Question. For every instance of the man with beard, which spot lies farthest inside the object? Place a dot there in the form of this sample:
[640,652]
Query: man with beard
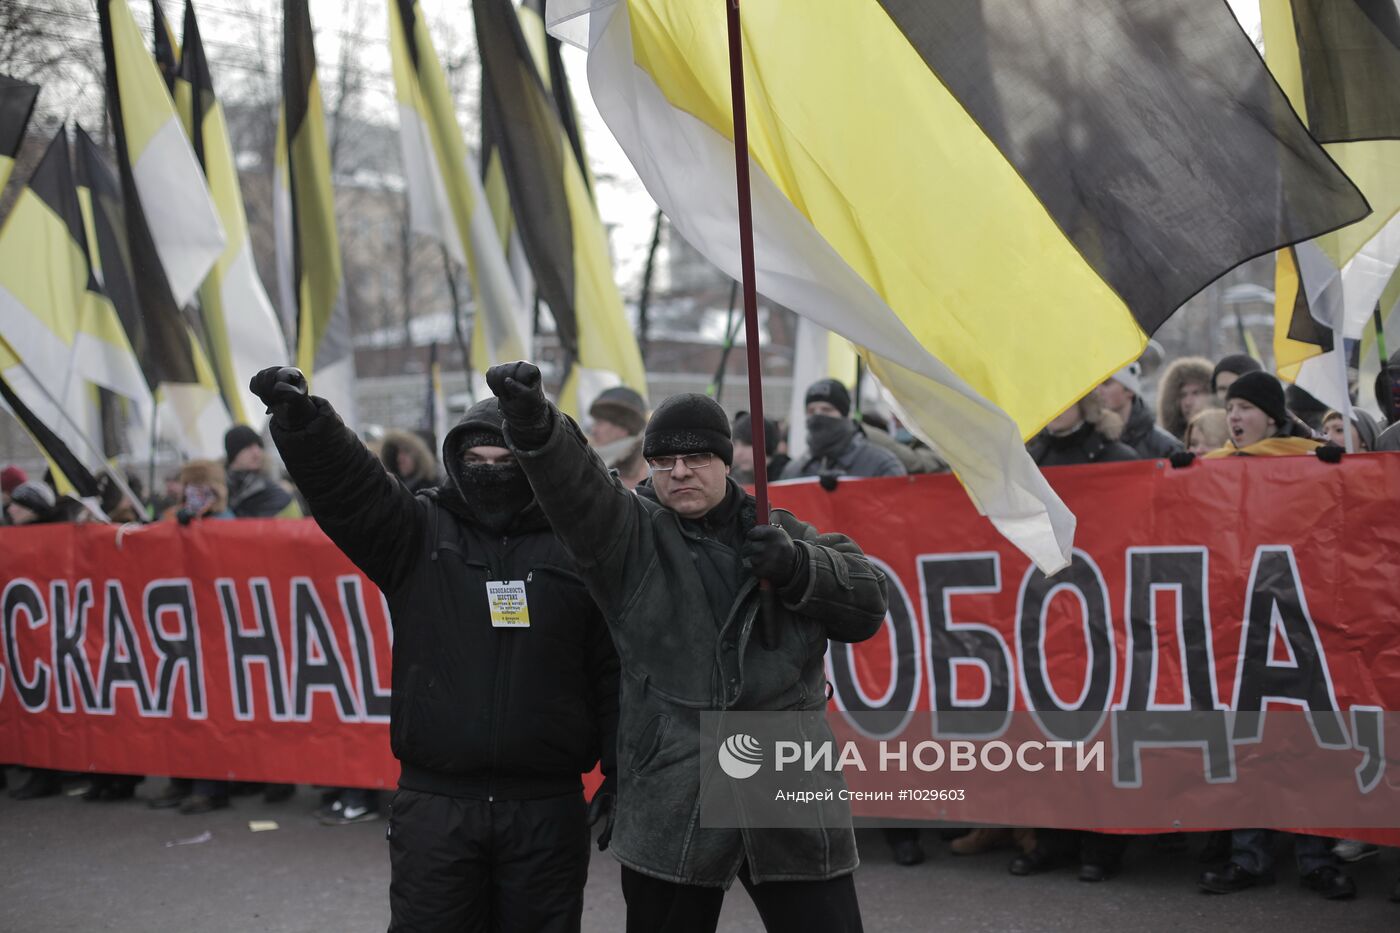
[835,444]
[505,680]
[679,568]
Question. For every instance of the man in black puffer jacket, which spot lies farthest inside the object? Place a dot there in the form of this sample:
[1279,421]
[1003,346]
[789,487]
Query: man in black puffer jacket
[505,679]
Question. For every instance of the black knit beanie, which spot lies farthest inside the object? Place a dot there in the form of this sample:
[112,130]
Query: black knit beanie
[829,390]
[1262,391]
[239,438]
[1237,363]
[689,424]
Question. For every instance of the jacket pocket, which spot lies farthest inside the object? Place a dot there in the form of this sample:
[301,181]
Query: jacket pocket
[649,742]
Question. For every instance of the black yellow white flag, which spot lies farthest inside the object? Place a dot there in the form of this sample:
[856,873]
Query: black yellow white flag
[308,247]
[997,201]
[445,195]
[156,159]
[1339,63]
[241,329]
[61,333]
[553,210]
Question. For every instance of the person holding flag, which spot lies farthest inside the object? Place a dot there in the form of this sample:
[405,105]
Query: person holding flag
[680,569]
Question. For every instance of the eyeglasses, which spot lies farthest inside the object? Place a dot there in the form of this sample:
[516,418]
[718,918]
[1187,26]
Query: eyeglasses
[691,461]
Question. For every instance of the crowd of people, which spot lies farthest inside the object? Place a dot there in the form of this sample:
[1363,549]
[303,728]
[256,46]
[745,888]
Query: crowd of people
[648,544]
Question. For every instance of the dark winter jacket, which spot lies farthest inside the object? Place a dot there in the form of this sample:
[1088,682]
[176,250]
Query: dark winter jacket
[252,495]
[1085,444]
[477,711]
[860,458]
[1142,434]
[682,610]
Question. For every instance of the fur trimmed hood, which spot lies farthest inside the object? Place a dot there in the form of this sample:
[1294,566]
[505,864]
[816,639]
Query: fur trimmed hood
[1179,373]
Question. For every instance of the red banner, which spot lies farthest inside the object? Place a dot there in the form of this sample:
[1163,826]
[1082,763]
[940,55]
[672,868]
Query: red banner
[254,650]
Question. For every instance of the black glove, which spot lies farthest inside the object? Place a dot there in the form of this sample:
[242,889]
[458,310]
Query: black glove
[283,390]
[1182,458]
[600,809]
[828,481]
[1330,453]
[519,387]
[770,553]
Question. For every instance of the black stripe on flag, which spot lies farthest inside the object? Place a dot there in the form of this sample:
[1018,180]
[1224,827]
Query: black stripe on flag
[194,68]
[17,100]
[109,230]
[298,63]
[1152,133]
[166,59]
[519,120]
[52,183]
[59,454]
[1350,55]
[166,355]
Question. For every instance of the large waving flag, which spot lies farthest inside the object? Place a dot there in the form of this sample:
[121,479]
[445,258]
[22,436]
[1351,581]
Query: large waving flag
[16,107]
[445,195]
[172,238]
[161,179]
[1339,63]
[61,334]
[241,328]
[308,248]
[997,201]
[554,211]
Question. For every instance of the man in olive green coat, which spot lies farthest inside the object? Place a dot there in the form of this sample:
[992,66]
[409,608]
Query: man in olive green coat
[676,569]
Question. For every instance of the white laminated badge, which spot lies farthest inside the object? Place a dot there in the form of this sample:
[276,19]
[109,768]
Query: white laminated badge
[509,608]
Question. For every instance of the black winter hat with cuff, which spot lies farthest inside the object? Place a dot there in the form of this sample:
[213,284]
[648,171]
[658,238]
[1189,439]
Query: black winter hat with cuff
[689,424]
[1264,392]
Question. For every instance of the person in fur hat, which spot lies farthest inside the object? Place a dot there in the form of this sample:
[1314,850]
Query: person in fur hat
[1184,390]
[406,456]
[1086,432]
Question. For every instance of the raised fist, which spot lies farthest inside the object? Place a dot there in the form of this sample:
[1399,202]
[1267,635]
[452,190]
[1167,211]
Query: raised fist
[283,390]
[519,387]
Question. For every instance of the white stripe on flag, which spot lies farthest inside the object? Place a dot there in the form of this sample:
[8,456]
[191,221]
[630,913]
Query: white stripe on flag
[179,211]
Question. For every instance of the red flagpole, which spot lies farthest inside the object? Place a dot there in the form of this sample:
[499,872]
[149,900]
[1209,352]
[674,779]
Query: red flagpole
[741,172]
[767,624]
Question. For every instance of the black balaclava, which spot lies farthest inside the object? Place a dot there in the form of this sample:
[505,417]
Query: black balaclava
[496,493]
[828,435]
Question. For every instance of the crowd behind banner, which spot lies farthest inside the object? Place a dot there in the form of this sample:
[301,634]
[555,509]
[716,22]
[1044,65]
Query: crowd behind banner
[1203,410]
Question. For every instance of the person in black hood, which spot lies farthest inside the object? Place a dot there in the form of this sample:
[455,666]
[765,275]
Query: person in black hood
[505,681]
[835,443]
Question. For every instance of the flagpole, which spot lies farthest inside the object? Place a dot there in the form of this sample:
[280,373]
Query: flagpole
[462,342]
[767,621]
[644,301]
[741,172]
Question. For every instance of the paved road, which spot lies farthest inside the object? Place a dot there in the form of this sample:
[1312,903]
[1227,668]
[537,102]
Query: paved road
[74,866]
